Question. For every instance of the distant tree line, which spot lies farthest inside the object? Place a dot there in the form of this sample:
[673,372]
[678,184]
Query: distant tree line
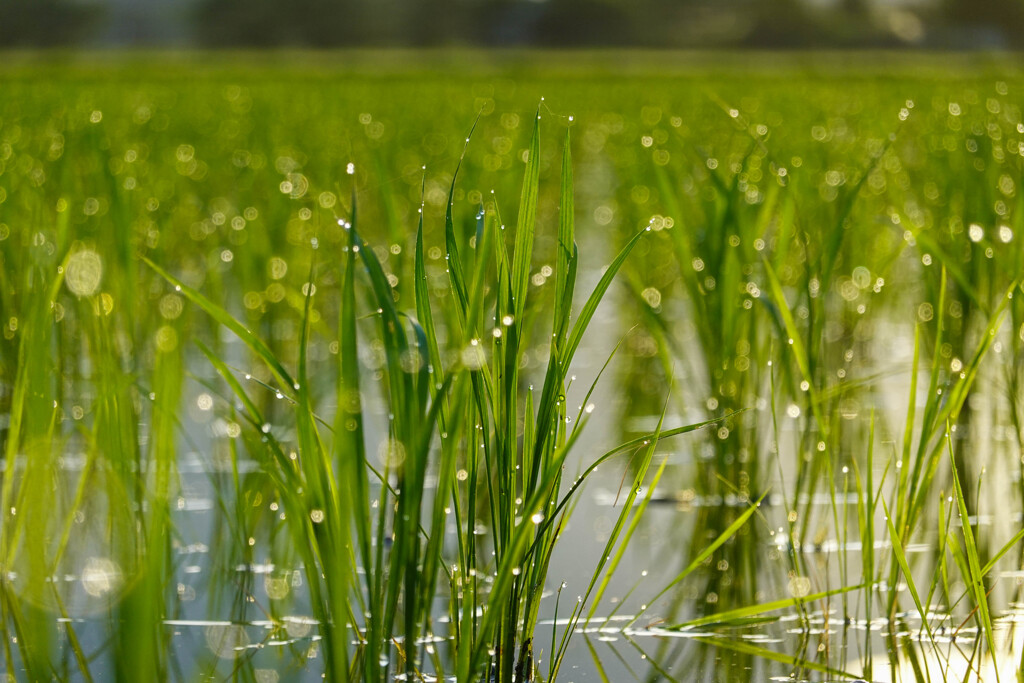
[562,23]
[46,23]
[641,23]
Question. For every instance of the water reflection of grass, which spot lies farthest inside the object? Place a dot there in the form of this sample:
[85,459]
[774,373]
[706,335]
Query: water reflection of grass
[818,253]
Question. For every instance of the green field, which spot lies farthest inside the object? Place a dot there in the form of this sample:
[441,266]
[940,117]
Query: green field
[308,363]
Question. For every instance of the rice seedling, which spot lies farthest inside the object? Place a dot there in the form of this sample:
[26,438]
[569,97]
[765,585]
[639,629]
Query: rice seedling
[471,407]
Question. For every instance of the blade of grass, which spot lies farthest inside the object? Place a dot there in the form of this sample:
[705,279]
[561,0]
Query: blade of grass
[219,314]
[523,252]
[707,552]
[975,577]
[758,610]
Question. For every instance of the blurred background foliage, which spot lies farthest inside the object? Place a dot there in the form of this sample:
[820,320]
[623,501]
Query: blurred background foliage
[45,23]
[811,24]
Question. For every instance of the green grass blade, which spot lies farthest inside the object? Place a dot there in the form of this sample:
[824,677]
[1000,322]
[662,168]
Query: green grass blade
[566,257]
[758,610]
[901,560]
[798,663]
[590,307]
[219,314]
[975,578]
[990,565]
[795,340]
[627,510]
[522,256]
[707,552]
[423,311]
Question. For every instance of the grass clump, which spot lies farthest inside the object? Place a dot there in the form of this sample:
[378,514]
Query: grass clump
[496,449]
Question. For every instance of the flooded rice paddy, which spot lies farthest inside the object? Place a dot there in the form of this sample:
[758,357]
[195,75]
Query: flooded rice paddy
[260,425]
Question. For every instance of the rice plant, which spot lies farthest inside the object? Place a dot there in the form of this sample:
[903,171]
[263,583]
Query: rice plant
[458,421]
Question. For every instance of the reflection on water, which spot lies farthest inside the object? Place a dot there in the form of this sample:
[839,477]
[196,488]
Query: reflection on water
[72,549]
[796,642]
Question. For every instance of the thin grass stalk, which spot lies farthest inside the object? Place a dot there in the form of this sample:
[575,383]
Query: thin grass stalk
[974,577]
